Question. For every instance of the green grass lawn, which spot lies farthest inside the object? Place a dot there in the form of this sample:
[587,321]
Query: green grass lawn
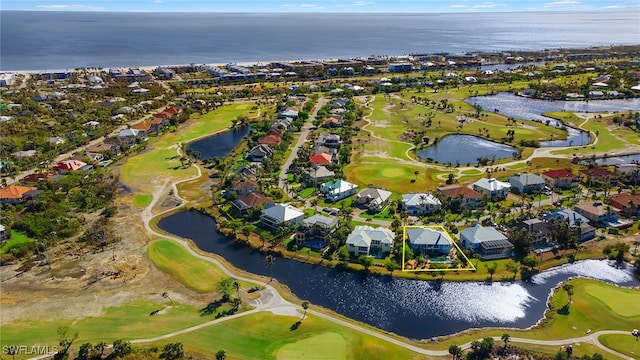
[267,336]
[625,344]
[396,178]
[195,273]
[17,238]
[128,321]
[160,160]
[142,200]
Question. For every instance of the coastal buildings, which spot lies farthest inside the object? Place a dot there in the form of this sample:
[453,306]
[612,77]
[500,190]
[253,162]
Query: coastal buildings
[561,178]
[527,183]
[419,204]
[429,241]
[495,189]
[338,189]
[280,215]
[369,241]
[486,241]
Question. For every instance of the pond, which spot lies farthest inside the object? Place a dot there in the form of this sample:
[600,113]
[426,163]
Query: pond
[465,149]
[524,108]
[618,160]
[411,308]
[219,145]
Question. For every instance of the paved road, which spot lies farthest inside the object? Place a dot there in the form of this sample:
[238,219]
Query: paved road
[301,140]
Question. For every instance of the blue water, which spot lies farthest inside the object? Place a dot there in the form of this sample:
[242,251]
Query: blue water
[465,149]
[219,145]
[65,40]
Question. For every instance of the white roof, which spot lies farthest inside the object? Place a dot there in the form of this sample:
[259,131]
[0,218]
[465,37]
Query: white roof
[282,213]
[428,236]
[492,184]
[363,235]
[417,199]
[477,234]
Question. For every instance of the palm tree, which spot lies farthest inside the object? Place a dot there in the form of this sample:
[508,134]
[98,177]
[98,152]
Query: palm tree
[101,346]
[505,338]
[305,306]
[268,263]
[221,355]
[166,296]
[455,351]
[236,285]
[569,289]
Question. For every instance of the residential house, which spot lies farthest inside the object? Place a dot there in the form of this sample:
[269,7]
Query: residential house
[271,140]
[132,136]
[418,204]
[369,241]
[259,153]
[573,219]
[429,241]
[600,174]
[527,183]
[109,150]
[289,113]
[332,122]
[280,215]
[373,199]
[91,125]
[71,165]
[314,232]
[495,189]
[598,213]
[469,198]
[321,159]
[338,189]
[24,153]
[319,149]
[56,140]
[244,203]
[15,194]
[541,231]
[627,204]
[3,234]
[317,175]
[488,242]
[329,140]
[244,186]
[36,177]
[121,143]
[560,178]
[247,170]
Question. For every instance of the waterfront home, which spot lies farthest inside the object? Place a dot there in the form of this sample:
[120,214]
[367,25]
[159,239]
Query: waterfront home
[244,203]
[560,178]
[598,213]
[259,153]
[338,189]
[316,175]
[314,232]
[469,198]
[488,242]
[429,241]
[369,241]
[627,204]
[328,140]
[373,199]
[540,230]
[271,140]
[281,215]
[244,186]
[418,204]
[16,194]
[573,219]
[600,174]
[495,189]
[527,183]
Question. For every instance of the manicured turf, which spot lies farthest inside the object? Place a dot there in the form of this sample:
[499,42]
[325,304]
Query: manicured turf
[128,321]
[142,200]
[625,344]
[195,273]
[263,335]
[396,178]
[327,346]
[625,303]
[17,238]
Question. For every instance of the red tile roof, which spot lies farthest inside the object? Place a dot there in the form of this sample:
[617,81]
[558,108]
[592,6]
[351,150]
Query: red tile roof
[322,158]
[15,191]
[69,165]
[269,140]
[465,192]
[596,172]
[255,199]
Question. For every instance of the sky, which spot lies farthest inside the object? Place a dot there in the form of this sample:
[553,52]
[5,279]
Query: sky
[384,6]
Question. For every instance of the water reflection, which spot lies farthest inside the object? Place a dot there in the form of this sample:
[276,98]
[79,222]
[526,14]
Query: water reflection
[415,309]
[465,149]
[219,145]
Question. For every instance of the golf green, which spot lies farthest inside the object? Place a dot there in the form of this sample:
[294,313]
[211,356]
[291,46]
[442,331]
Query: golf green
[327,346]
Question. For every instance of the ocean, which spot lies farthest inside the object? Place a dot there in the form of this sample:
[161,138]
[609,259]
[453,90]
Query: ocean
[32,40]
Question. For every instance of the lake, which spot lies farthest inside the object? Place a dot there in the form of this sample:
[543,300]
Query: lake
[465,149]
[410,308]
[219,145]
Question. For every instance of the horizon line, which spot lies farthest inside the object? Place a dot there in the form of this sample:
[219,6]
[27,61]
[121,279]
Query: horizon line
[494,11]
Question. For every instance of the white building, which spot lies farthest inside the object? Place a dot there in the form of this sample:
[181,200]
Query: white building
[365,240]
[273,217]
[495,189]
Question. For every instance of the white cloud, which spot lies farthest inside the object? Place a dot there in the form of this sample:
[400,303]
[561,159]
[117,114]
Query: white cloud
[71,7]
[158,1]
[458,6]
[563,3]
[486,5]
[362,3]
[304,6]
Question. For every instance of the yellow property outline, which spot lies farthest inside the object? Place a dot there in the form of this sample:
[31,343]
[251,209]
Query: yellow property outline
[440,228]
